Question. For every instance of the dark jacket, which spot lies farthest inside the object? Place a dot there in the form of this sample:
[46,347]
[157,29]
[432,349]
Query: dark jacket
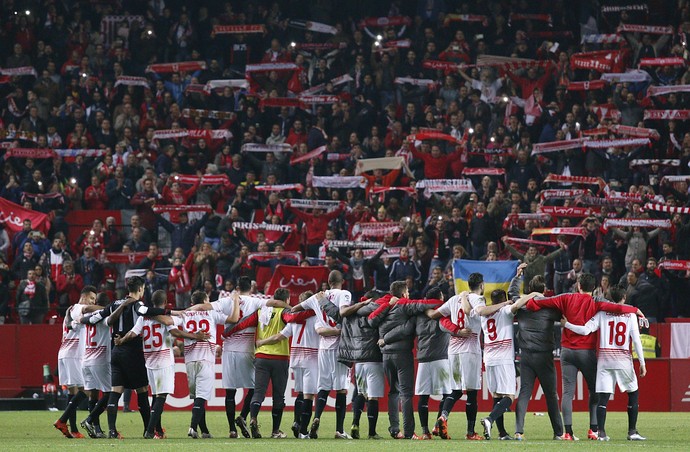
[358,340]
[644,297]
[432,341]
[535,328]
[387,318]
[183,235]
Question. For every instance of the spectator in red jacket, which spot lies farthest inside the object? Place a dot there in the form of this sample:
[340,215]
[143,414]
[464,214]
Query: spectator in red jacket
[68,285]
[436,163]
[95,197]
[297,134]
[316,224]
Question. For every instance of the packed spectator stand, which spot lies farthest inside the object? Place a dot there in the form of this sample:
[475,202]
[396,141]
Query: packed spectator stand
[212,140]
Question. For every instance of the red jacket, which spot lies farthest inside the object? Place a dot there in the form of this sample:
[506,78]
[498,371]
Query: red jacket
[316,226]
[72,289]
[578,308]
[436,168]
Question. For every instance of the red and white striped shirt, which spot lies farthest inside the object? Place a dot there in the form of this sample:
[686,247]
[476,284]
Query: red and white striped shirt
[616,332]
[498,337]
[157,341]
[242,341]
[69,347]
[304,348]
[207,321]
[453,309]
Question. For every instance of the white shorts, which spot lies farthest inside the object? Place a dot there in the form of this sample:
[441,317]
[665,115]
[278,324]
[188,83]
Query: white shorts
[466,371]
[607,379]
[433,378]
[333,375]
[306,379]
[370,379]
[501,379]
[70,372]
[238,370]
[201,377]
[162,381]
[97,377]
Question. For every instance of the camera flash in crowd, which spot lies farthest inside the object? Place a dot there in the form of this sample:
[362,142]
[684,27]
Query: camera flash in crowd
[492,139]
[505,98]
[293,44]
[471,130]
[73,181]
[379,37]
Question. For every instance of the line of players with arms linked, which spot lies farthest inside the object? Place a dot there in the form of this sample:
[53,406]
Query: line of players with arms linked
[327,337]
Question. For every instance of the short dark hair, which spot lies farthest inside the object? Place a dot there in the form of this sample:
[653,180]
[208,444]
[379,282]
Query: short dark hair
[88,289]
[498,296]
[435,293]
[199,297]
[305,295]
[398,288]
[374,294]
[537,284]
[335,277]
[616,294]
[102,299]
[159,298]
[475,280]
[587,282]
[244,284]
[282,294]
[135,283]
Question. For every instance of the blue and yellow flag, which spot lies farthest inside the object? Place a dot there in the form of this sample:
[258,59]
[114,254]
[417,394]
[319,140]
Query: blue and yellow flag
[497,274]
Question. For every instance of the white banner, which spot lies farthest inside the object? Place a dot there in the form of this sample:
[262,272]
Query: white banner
[339,181]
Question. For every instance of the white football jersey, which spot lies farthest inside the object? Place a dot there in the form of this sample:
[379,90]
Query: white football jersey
[616,333]
[243,341]
[95,343]
[157,341]
[323,320]
[498,337]
[453,309]
[70,345]
[207,321]
[304,347]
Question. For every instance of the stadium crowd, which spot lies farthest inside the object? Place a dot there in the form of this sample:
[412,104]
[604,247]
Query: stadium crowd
[235,136]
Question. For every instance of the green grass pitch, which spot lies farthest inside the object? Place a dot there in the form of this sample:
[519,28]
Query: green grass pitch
[33,430]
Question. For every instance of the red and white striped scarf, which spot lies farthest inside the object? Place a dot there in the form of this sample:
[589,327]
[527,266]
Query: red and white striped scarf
[601,39]
[268,67]
[662,90]
[466,18]
[667,209]
[560,178]
[313,26]
[132,81]
[557,211]
[30,289]
[554,146]
[280,187]
[167,68]
[660,162]
[586,86]
[161,208]
[238,29]
[667,114]
[339,181]
[619,143]
[308,156]
[483,171]
[533,17]
[559,231]
[675,265]
[530,242]
[256,147]
[645,29]
[635,131]
[206,179]
[654,62]
[637,222]
[183,283]
[562,194]
[211,114]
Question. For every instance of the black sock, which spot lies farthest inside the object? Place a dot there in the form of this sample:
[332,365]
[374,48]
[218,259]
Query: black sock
[449,402]
[247,403]
[202,422]
[70,412]
[372,415]
[568,429]
[254,408]
[440,406]
[601,412]
[501,405]
[633,410]
[299,402]
[321,399]
[305,416]
[127,396]
[113,400]
[340,410]
[423,410]
[156,413]
[94,415]
[197,412]
[277,416]
[471,410]
[93,400]
[144,407]
[230,408]
[357,408]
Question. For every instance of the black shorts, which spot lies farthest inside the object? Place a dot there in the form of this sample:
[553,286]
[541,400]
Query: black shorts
[128,368]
